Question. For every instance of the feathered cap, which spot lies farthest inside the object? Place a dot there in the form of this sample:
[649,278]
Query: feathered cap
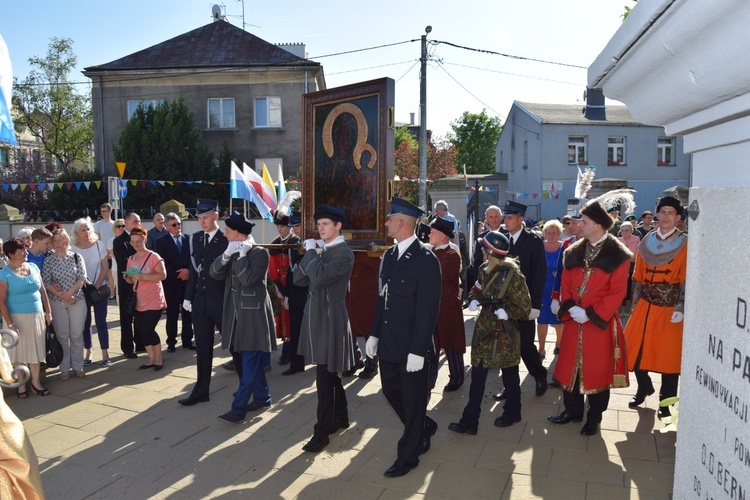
[285,204]
[596,209]
[582,188]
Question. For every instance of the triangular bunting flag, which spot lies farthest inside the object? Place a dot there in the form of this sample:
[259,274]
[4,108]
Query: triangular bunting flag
[78,185]
[133,182]
[32,187]
[534,195]
[42,186]
[161,183]
[68,185]
[5,186]
[13,187]
[153,183]
[23,187]
[170,183]
[98,184]
[87,184]
[59,185]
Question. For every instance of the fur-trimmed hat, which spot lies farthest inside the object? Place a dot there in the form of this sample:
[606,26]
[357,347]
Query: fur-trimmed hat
[444,226]
[669,201]
[280,218]
[596,213]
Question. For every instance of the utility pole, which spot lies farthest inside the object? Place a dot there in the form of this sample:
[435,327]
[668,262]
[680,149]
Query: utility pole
[423,123]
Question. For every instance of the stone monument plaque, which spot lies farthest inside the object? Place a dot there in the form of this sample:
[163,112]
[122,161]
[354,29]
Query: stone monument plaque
[713,440]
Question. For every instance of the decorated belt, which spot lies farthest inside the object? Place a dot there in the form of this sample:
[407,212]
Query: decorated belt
[661,294]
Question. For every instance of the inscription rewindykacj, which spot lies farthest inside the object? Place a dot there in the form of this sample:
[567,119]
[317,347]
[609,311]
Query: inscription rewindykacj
[735,403]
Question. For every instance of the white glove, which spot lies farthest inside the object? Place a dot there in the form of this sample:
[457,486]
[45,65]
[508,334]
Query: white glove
[371,347]
[554,306]
[677,316]
[232,248]
[286,303]
[534,314]
[320,243]
[578,314]
[310,244]
[474,306]
[414,363]
[187,305]
[501,314]
[245,248]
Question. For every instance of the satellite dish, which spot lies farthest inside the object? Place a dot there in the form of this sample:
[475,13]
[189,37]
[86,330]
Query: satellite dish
[216,12]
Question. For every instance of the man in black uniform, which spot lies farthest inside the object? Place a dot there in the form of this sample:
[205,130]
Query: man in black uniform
[204,295]
[405,317]
[295,298]
[122,249]
[529,248]
[175,250]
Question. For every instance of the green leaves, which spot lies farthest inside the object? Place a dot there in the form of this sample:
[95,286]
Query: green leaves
[475,136]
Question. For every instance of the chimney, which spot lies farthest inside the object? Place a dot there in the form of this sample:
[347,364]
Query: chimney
[595,105]
[411,119]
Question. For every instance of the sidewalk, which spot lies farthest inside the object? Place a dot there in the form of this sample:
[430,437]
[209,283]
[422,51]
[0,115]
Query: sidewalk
[120,433]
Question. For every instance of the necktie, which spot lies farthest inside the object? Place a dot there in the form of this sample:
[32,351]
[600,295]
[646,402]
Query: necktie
[510,248]
[178,242]
[206,239]
[395,252]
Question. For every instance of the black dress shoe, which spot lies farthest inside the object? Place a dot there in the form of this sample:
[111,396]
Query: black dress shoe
[564,418]
[257,405]
[399,469]
[145,367]
[291,371]
[338,424]
[190,400]
[663,412]
[452,386]
[368,373]
[503,421]
[501,396]
[132,355]
[350,373]
[231,418]
[430,428]
[171,349]
[590,428]
[541,386]
[462,429]
[316,444]
[639,398]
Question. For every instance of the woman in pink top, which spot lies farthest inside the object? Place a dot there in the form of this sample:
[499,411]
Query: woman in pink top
[149,295]
[630,240]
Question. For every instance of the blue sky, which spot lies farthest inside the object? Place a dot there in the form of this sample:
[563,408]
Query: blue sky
[571,32]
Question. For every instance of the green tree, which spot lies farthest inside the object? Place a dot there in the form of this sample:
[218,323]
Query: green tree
[441,161]
[402,134]
[49,107]
[162,143]
[475,137]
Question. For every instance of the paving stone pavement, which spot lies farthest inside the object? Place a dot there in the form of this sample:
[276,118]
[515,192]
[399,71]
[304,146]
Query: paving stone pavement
[120,433]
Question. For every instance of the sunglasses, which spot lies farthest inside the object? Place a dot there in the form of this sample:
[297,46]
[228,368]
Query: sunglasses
[175,224]
[120,226]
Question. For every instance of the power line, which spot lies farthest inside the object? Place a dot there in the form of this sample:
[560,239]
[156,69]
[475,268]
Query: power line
[440,65]
[365,49]
[492,52]
[515,74]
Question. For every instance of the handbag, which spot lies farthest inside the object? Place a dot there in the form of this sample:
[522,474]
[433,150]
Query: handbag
[132,299]
[91,293]
[54,350]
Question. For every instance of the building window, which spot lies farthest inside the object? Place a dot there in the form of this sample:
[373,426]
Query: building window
[512,157]
[525,154]
[4,157]
[616,151]
[577,150]
[502,162]
[133,105]
[665,151]
[268,112]
[36,157]
[221,113]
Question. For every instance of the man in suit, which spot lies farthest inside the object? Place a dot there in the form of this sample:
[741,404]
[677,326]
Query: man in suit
[175,250]
[121,247]
[529,248]
[204,295]
[405,317]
